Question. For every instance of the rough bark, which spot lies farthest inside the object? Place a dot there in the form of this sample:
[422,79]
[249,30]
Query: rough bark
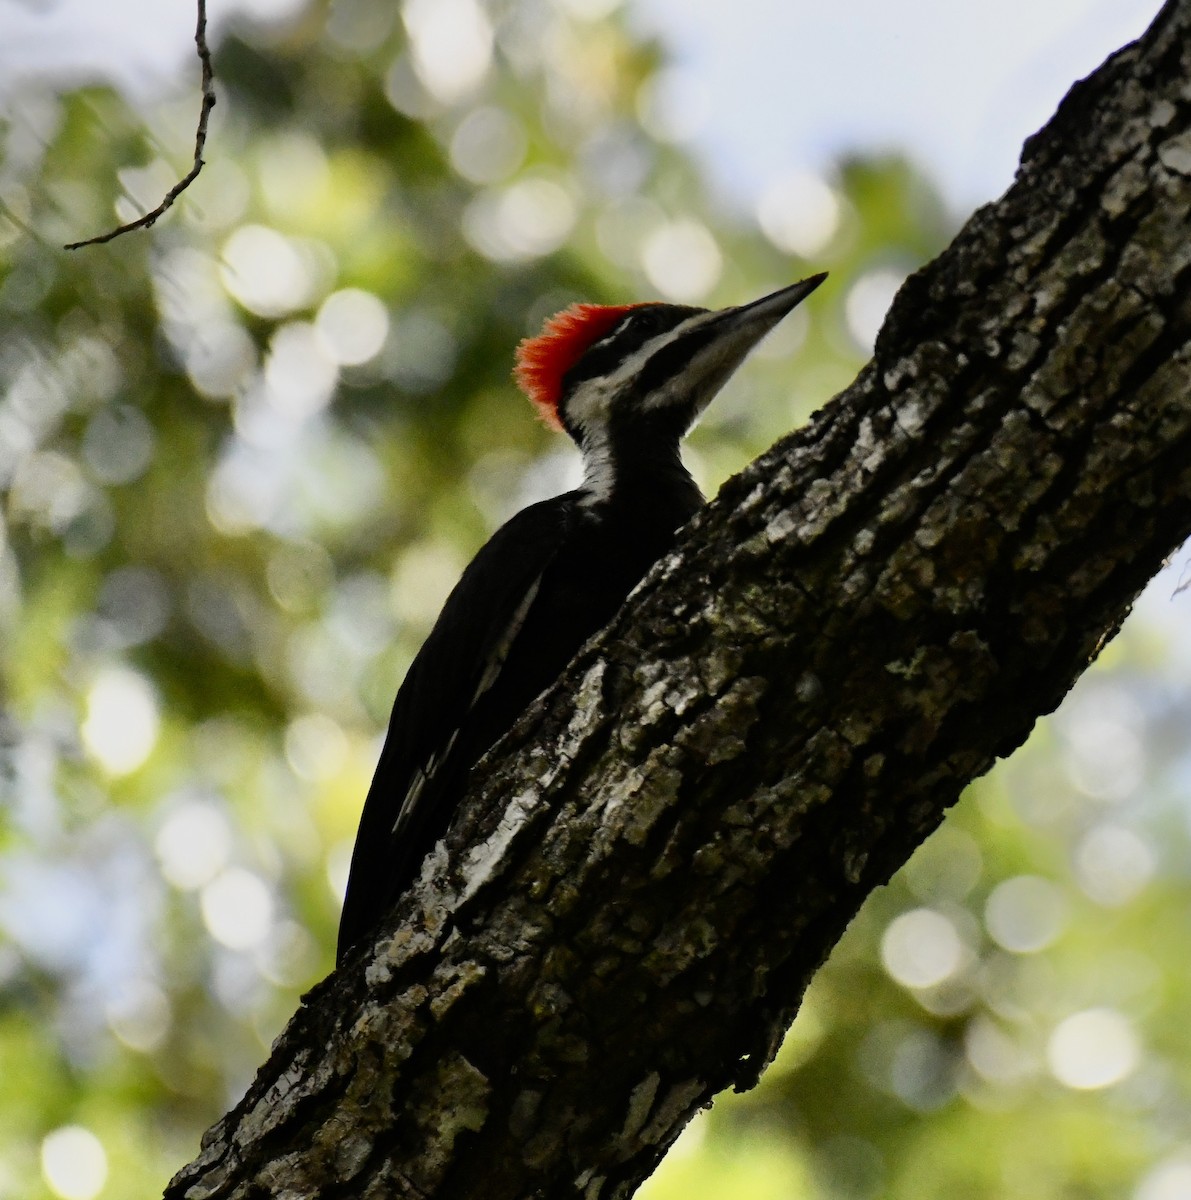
[652,865]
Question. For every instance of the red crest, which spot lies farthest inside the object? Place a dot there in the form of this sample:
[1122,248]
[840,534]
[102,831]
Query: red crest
[542,361]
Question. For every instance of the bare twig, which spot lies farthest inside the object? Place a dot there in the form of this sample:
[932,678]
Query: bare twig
[200,140]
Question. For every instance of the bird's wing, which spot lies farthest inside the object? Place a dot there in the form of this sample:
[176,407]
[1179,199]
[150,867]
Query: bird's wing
[459,661]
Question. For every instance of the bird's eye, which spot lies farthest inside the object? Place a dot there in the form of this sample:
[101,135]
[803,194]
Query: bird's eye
[644,321]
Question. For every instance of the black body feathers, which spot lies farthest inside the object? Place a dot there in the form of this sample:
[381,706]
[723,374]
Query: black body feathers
[539,588]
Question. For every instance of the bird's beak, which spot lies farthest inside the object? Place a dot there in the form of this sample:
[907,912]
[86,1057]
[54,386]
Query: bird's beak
[749,323]
[721,340]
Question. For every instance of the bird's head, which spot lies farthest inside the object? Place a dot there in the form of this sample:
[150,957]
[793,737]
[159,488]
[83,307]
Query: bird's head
[594,367]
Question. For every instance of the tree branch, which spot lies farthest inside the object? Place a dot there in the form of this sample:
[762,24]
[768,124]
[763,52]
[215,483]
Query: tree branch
[650,867]
[200,141]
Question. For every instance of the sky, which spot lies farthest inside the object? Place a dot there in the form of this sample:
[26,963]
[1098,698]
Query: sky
[958,83]
[765,87]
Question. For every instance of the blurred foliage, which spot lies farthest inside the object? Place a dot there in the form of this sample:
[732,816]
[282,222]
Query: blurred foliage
[243,458]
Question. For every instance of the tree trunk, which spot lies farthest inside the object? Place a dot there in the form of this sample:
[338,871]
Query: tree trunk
[651,866]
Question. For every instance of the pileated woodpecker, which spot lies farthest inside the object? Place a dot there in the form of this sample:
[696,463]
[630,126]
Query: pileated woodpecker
[626,382]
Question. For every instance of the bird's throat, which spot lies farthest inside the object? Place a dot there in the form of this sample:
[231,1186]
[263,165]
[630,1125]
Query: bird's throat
[643,473]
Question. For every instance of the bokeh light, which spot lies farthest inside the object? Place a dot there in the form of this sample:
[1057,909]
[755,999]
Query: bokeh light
[1169,1180]
[526,220]
[300,371]
[1093,1049]
[1113,864]
[451,42]
[1025,914]
[800,213]
[996,1054]
[139,1014]
[316,747]
[238,908]
[194,843]
[673,105]
[868,301]
[354,324]
[1104,755]
[488,145]
[922,948]
[74,1163]
[268,273]
[118,444]
[121,725]
[682,260]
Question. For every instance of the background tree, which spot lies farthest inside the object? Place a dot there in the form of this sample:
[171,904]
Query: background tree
[244,458]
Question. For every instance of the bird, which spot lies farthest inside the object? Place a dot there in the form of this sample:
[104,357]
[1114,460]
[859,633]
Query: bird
[626,383]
